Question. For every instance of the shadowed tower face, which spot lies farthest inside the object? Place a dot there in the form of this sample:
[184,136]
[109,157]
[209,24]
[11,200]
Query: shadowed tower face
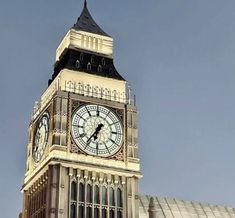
[82,148]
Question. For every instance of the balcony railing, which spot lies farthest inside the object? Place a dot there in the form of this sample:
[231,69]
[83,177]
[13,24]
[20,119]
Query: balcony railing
[85,90]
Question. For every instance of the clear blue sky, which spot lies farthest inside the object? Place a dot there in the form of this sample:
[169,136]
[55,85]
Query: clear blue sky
[178,56]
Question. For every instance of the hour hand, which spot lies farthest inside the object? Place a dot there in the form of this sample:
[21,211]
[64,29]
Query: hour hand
[99,127]
[97,130]
[88,140]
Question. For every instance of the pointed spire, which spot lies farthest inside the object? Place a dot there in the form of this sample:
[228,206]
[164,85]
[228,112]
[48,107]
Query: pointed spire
[86,23]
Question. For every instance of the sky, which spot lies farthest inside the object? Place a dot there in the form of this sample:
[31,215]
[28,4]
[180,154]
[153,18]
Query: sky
[178,56]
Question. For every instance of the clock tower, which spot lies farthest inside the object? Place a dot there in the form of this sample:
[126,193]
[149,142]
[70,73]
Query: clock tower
[82,159]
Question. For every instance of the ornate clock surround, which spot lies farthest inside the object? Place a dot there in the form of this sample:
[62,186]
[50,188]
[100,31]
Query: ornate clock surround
[119,155]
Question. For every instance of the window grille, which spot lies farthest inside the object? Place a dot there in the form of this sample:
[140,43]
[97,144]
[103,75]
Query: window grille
[92,200]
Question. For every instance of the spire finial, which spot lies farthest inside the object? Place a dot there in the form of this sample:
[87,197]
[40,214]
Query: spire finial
[85,3]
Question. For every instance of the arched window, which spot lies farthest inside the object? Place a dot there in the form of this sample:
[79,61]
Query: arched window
[81,192]
[104,195]
[104,213]
[119,197]
[73,191]
[97,195]
[77,65]
[89,194]
[89,66]
[81,212]
[111,197]
[96,213]
[99,68]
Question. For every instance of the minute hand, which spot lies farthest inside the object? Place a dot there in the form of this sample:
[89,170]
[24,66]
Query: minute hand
[98,130]
[99,127]
[88,140]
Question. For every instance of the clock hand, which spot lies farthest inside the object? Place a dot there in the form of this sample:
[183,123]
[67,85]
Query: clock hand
[88,140]
[97,130]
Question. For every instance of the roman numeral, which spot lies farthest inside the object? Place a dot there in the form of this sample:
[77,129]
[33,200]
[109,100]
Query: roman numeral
[88,111]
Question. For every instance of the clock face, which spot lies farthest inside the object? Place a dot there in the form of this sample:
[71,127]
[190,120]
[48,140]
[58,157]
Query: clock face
[40,137]
[97,130]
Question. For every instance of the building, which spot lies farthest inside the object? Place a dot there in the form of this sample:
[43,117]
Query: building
[82,152]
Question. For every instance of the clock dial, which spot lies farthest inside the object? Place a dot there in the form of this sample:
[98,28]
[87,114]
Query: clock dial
[40,137]
[97,130]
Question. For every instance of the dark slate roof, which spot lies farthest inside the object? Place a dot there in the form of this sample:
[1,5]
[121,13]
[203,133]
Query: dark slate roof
[99,65]
[86,23]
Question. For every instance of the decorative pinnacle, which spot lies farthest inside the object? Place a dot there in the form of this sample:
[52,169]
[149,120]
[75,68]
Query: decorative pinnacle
[85,3]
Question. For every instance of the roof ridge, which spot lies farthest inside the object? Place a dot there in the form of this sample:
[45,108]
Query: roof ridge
[197,202]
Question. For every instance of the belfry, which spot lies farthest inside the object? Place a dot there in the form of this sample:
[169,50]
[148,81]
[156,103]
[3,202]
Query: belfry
[82,139]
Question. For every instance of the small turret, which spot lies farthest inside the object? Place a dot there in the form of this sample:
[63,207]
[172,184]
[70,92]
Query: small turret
[152,209]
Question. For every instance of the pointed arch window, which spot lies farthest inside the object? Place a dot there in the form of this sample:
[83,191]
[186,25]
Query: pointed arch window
[119,197]
[96,194]
[81,192]
[111,197]
[73,191]
[104,196]
[89,194]
[89,66]
[99,68]
[77,65]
